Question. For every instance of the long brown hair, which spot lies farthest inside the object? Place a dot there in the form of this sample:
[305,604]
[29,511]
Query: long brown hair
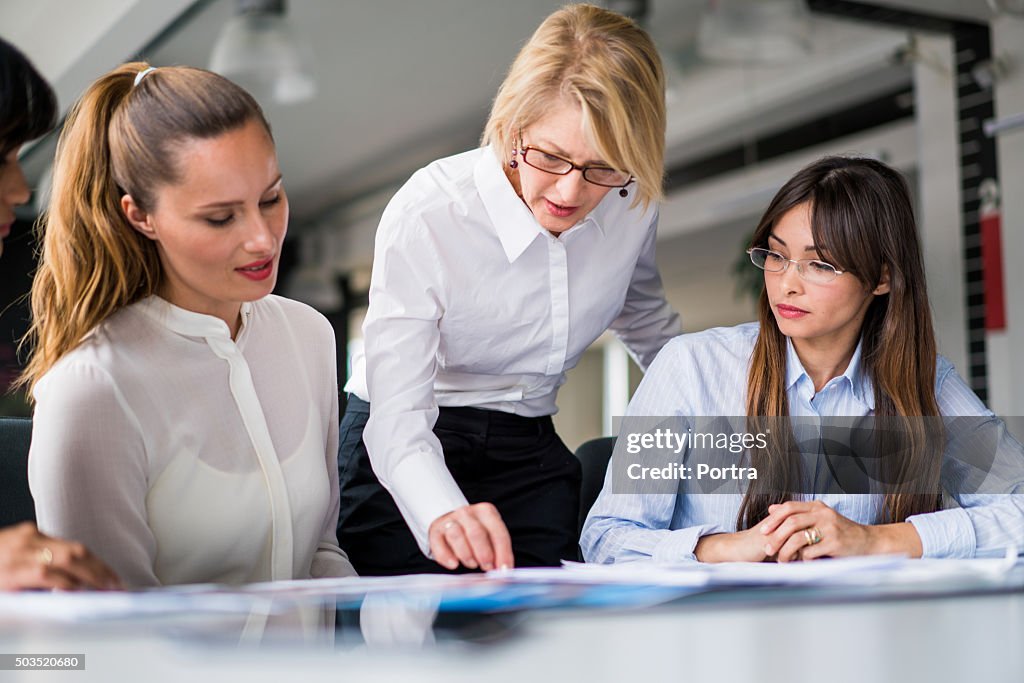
[120,138]
[862,217]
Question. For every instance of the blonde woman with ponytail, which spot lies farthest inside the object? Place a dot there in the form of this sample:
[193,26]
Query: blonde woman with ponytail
[186,418]
[845,331]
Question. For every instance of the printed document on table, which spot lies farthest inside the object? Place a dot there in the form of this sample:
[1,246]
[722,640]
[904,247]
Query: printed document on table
[865,571]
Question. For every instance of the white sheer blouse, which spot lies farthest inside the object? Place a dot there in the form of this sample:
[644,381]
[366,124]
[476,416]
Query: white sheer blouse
[181,456]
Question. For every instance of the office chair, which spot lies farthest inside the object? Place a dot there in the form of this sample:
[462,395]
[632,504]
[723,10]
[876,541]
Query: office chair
[15,499]
[593,456]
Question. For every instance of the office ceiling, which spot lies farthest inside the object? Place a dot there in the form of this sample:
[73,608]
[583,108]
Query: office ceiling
[404,82]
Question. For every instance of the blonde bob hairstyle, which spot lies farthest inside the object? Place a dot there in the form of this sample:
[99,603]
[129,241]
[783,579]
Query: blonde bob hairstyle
[120,138]
[609,66]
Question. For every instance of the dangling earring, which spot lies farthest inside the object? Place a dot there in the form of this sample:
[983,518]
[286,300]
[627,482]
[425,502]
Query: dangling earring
[623,192]
[516,144]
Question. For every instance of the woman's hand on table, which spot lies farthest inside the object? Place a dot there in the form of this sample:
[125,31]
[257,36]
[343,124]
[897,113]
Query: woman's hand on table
[810,530]
[31,560]
[474,536]
[739,546]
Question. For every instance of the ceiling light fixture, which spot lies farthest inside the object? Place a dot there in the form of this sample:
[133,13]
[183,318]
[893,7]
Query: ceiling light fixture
[761,32]
[1014,7]
[258,50]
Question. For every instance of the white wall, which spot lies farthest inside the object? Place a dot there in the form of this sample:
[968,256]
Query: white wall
[939,211]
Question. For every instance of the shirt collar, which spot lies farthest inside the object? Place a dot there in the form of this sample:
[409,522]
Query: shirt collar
[854,375]
[515,224]
[189,323]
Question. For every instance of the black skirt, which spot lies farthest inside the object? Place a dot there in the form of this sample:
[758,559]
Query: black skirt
[516,463]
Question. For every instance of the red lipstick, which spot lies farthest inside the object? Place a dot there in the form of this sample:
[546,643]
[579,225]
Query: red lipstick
[791,312]
[257,270]
[559,211]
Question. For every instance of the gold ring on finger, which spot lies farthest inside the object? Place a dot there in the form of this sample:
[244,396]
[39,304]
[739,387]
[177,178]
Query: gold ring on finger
[46,556]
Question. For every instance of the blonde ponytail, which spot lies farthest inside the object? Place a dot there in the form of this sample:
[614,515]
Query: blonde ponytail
[118,139]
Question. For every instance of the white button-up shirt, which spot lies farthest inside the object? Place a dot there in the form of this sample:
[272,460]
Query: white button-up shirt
[473,303]
[179,455]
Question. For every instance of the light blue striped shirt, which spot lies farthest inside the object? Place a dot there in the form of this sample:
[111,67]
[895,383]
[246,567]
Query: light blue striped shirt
[705,374]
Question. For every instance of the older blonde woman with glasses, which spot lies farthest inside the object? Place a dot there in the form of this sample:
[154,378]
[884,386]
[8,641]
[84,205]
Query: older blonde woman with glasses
[494,270]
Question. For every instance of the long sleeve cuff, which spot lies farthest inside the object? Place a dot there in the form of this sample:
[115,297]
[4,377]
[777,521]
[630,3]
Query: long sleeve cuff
[678,545]
[946,533]
[424,489]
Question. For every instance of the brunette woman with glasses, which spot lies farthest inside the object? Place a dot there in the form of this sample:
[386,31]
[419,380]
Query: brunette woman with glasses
[845,330]
[494,270]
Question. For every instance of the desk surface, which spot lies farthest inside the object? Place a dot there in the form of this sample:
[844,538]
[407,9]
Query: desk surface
[765,634]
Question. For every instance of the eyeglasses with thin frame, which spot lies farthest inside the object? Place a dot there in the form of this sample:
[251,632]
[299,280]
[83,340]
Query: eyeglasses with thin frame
[811,270]
[605,176]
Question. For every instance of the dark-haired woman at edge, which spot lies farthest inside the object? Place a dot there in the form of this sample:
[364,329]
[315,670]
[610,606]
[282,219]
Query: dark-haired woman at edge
[28,107]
